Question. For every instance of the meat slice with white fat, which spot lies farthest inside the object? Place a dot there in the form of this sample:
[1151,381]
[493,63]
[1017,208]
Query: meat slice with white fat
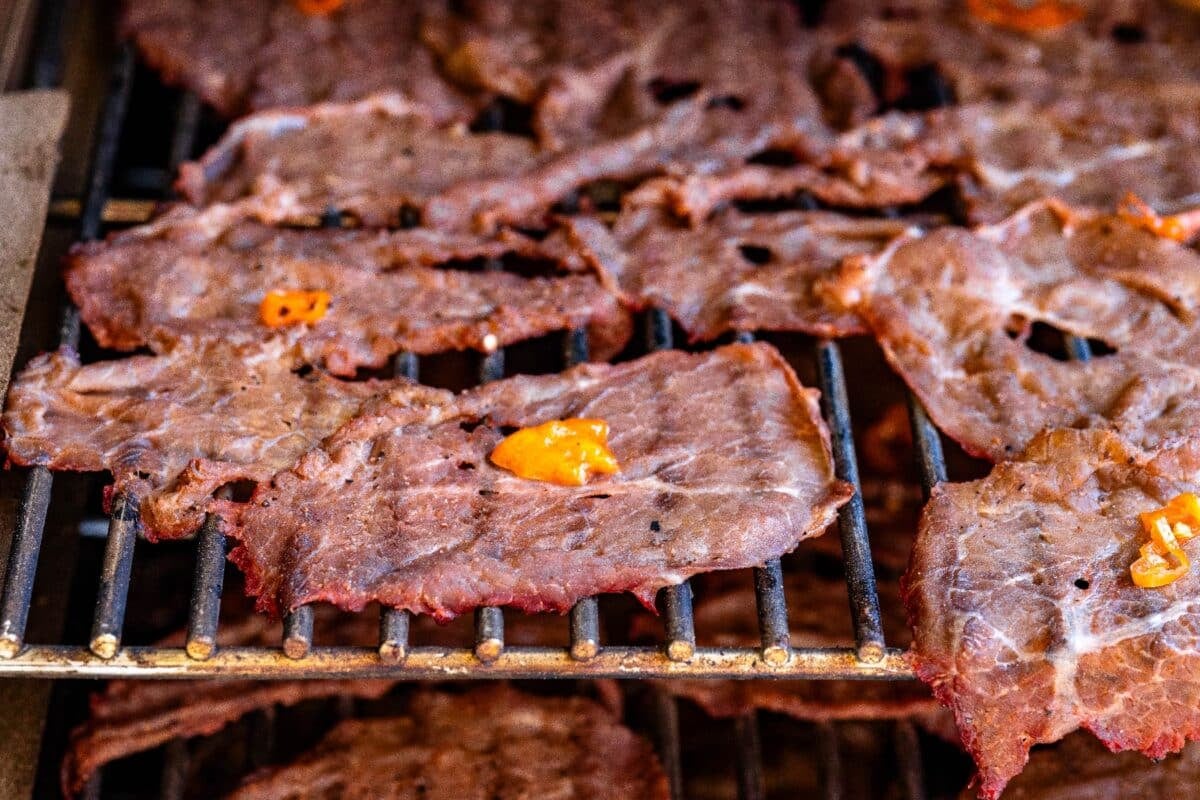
[203,275]
[724,463]
[954,311]
[174,428]
[1026,620]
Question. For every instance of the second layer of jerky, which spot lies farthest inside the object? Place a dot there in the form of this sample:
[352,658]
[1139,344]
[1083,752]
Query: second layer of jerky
[203,275]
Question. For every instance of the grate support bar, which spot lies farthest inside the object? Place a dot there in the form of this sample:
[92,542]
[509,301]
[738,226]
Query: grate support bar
[208,580]
[751,785]
[852,522]
[298,632]
[666,728]
[115,572]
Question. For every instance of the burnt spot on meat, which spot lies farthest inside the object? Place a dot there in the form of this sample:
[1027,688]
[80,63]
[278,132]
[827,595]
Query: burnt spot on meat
[1082,583]
[596,496]
[466,465]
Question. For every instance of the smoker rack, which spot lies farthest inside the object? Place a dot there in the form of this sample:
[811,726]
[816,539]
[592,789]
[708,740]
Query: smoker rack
[299,657]
[583,656]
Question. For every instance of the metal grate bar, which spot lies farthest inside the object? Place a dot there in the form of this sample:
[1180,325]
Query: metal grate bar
[393,635]
[204,608]
[175,770]
[489,633]
[298,632]
[676,601]
[183,138]
[394,622]
[830,753]
[1078,348]
[489,621]
[585,615]
[751,785]
[931,462]
[35,499]
[666,729]
[114,577]
[856,547]
[908,755]
[769,593]
[22,561]
[772,613]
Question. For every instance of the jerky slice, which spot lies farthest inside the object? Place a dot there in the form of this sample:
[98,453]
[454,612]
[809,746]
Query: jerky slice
[402,505]
[201,275]
[733,272]
[954,311]
[176,427]
[487,743]
[1026,621]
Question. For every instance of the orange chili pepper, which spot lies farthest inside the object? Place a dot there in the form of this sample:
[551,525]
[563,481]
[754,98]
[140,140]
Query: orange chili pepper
[565,452]
[318,8]
[1040,15]
[281,307]
[1176,522]
[1177,227]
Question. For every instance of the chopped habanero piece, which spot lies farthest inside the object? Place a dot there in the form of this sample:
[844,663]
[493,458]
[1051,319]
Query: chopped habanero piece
[1041,15]
[1168,526]
[318,8]
[281,307]
[565,452]
[1177,227]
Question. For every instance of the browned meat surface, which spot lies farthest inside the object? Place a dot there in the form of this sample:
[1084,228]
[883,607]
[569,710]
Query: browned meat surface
[291,166]
[724,464]
[175,428]
[818,614]
[198,276]
[250,54]
[574,61]
[955,312]
[1026,621]
[131,716]
[1080,768]
[1087,149]
[736,271]
[491,742]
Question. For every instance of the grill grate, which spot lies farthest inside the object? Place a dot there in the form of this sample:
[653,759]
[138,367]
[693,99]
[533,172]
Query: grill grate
[298,656]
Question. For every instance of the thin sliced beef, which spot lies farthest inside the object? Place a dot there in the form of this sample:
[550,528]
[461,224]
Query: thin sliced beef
[240,55]
[1085,148]
[818,616]
[490,742]
[407,169]
[1080,768]
[574,61]
[175,428]
[132,716]
[1026,621]
[734,272]
[959,315]
[202,275]
[724,464]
